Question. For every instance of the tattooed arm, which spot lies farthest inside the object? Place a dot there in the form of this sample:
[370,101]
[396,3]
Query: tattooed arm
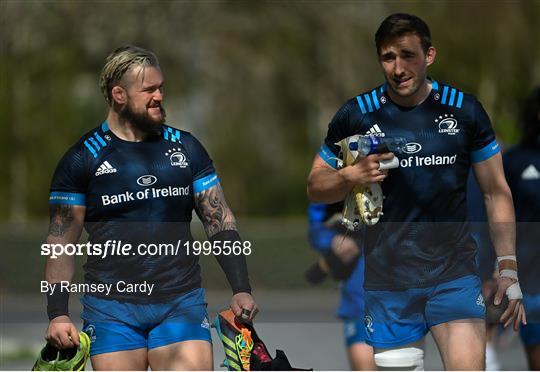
[213,211]
[65,227]
[220,226]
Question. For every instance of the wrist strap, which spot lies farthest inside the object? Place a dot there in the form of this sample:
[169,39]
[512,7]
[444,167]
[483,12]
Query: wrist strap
[502,258]
[57,304]
[234,266]
[505,263]
[507,273]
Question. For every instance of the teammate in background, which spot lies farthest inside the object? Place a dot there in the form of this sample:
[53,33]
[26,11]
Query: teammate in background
[522,167]
[420,258]
[102,183]
[340,250]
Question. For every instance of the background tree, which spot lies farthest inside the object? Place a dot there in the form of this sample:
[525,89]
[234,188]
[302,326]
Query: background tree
[256,81]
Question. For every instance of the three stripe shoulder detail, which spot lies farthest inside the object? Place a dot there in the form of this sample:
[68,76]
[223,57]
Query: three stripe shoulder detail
[450,96]
[371,101]
[95,143]
[171,134]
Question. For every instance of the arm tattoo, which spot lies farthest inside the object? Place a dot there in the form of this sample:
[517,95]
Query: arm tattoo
[61,217]
[213,211]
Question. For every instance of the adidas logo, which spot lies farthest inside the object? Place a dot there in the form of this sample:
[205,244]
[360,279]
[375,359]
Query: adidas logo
[375,131]
[530,173]
[105,167]
[480,300]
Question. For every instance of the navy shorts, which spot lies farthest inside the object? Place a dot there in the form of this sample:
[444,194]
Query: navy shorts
[396,318]
[530,333]
[116,325]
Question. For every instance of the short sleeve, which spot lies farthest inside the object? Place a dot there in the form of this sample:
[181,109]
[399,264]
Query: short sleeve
[204,174]
[320,236]
[484,144]
[69,182]
[338,129]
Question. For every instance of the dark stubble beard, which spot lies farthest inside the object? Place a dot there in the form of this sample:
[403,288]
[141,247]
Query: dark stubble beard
[143,121]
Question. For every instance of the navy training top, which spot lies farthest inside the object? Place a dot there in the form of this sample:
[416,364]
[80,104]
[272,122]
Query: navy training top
[423,237]
[137,193]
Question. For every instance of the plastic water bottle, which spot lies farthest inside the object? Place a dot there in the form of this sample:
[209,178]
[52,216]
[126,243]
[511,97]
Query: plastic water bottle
[367,145]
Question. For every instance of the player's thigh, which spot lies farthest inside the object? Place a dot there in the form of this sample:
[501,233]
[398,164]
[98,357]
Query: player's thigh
[116,346]
[455,312]
[126,360]
[462,343]
[361,357]
[359,353]
[182,356]
[182,340]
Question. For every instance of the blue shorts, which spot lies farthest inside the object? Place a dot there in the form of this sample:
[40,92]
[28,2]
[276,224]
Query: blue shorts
[530,334]
[115,326]
[395,318]
[354,331]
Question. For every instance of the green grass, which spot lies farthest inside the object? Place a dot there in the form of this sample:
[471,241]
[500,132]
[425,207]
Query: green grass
[22,354]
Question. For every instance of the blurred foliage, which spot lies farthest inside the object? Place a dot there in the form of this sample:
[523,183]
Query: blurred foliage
[257,82]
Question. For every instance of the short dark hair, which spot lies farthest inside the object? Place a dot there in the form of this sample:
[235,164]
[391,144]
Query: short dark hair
[401,24]
[530,120]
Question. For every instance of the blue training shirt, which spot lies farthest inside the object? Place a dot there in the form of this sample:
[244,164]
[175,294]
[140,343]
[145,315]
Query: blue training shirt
[321,232]
[422,238]
[137,192]
[323,226]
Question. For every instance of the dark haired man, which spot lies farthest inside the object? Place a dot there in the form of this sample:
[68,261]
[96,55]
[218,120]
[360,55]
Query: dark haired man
[522,168]
[420,270]
[134,180]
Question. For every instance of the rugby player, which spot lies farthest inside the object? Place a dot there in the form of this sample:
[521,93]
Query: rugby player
[420,272]
[522,168]
[102,183]
[328,237]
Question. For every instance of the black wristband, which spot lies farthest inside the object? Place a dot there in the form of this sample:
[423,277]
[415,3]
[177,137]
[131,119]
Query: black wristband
[234,266]
[57,304]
